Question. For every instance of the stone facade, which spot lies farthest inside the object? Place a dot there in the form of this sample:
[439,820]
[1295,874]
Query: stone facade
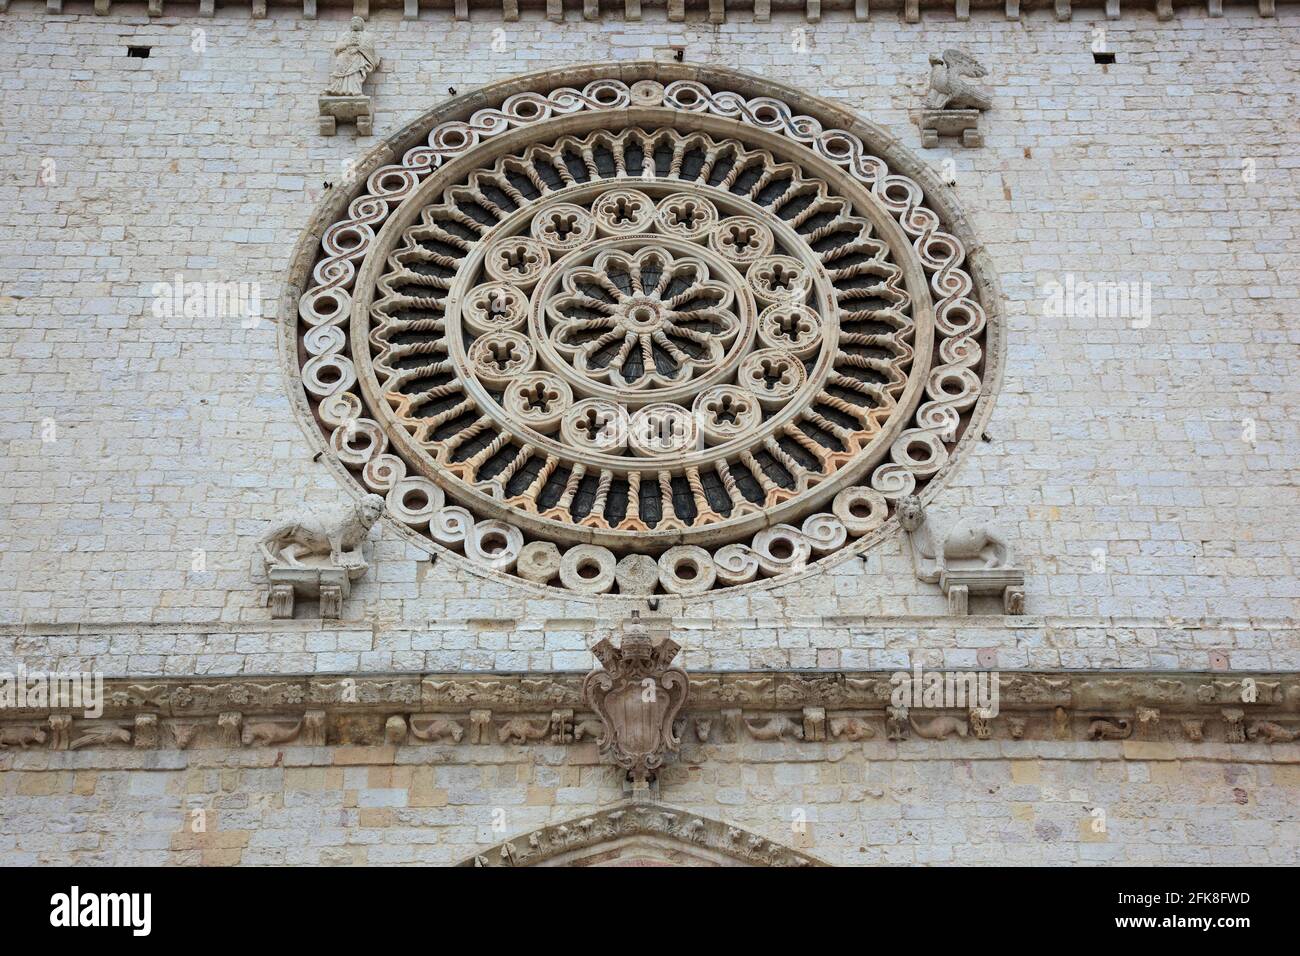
[1142,460]
[870,803]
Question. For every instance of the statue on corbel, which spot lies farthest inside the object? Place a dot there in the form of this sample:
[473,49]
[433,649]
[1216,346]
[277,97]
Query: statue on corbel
[355,58]
[953,105]
[317,554]
[971,558]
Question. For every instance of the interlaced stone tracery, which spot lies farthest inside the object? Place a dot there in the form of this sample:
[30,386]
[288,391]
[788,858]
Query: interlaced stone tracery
[635,353]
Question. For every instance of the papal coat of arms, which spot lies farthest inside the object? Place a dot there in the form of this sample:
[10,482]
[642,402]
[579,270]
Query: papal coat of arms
[637,696]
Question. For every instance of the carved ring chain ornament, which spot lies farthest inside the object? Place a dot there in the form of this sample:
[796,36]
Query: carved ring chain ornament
[642,336]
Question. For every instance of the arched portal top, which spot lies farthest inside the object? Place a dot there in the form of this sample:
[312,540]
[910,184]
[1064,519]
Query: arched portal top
[641,834]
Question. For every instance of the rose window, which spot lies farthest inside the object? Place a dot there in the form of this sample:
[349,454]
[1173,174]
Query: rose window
[641,337]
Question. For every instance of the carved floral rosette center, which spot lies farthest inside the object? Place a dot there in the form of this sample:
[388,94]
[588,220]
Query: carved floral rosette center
[642,337]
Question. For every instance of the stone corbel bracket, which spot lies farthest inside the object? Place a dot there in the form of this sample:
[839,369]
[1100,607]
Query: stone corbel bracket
[346,109]
[736,708]
[910,12]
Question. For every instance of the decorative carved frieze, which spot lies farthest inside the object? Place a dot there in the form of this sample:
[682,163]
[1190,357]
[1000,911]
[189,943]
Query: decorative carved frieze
[1271,732]
[433,728]
[1234,724]
[775,728]
[147,731]
[1103,729]
[22,736]
[548,709]
[98,734]
[896,722]
[939,728]
[851,728]
[519,730]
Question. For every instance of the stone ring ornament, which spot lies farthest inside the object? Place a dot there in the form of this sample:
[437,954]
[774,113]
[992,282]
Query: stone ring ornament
[679,318]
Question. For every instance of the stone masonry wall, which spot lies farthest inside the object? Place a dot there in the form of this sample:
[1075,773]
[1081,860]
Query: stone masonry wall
[873,803]
[1109,442]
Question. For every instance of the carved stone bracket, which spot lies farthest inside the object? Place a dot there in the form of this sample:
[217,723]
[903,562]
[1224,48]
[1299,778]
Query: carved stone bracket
[969,559]
[346,109]
[961,124]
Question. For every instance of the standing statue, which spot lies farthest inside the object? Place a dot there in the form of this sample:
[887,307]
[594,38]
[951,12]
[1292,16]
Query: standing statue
[953,105]
[355,58]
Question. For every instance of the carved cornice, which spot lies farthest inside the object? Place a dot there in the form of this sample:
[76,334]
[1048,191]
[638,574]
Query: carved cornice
[35,633]
[724,707]
[636,819]
[716,11]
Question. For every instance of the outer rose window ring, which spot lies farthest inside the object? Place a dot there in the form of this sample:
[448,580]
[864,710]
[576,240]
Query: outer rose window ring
[959,354]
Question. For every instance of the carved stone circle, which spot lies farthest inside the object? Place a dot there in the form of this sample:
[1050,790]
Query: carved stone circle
[650,334]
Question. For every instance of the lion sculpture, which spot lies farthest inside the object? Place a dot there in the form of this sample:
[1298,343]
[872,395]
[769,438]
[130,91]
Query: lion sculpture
[334,533]
[966,540]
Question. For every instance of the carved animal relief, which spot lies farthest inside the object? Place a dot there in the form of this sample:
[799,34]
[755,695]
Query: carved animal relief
[953,104]
[317,554]
[970,558]
[548,710]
